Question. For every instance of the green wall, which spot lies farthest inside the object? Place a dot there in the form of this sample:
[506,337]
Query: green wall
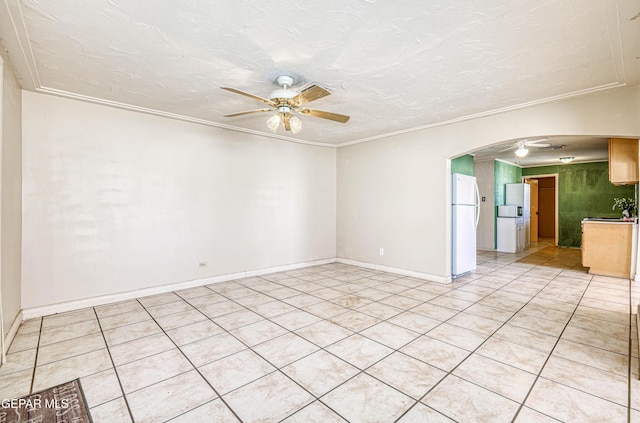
[505,173]
[463,164]
[584,190]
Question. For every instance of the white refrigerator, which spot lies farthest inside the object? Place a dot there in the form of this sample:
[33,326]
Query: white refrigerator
[520,195]
[465,209]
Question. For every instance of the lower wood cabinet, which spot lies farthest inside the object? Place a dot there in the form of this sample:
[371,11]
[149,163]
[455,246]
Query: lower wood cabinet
[606,248]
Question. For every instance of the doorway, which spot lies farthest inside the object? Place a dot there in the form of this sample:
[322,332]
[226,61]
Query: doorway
[544,209]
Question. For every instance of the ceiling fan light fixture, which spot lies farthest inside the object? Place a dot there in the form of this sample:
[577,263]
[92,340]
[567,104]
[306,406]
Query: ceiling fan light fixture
[521,151]
[296,124]
[274,122]
[286,101]
[566,159]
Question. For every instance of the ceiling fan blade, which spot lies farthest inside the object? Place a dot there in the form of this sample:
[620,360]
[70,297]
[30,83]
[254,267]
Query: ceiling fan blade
[248,112]
[287,124]
[255,97]
[540,142]
[325,115]
[537,144]
[536,140]
[308,95]
[508,148]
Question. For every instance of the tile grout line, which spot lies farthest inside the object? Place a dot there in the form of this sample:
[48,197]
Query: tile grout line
[397,350]
[450,372]
[102,333]
[538,376]
[359,332]
[394,350]
[126,401]
[190,362]
[379,301]
[425,334]
[70,356]
[35,360]
[278,369]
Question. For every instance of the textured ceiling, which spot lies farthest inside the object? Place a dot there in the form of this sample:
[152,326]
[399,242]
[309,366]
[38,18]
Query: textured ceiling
[392,67]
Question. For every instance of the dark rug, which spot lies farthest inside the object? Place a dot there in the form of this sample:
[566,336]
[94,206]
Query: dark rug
[62,403]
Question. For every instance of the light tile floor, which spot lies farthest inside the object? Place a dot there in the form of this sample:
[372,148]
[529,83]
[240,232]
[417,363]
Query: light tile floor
[524,338]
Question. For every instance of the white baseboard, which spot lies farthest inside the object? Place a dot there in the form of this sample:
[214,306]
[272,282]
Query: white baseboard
[14,328]
[403,272]
[289,267]
[15,325]
[34,312]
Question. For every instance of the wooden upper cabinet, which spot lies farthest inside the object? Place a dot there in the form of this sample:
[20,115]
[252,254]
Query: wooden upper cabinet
[623,161]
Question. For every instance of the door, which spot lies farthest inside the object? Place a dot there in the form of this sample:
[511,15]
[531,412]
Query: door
[533,183]
[547,207]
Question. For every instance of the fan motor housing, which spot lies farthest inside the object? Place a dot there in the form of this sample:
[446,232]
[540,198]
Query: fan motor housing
[286,94]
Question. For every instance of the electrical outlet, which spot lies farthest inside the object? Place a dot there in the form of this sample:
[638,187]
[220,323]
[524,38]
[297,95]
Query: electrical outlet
[382,251]
[202,264]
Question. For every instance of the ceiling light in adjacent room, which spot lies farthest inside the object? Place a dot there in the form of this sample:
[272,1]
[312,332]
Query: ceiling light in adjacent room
[566,159]
[521,151]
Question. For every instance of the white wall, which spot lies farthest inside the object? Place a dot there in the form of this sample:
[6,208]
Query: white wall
[387,199]
[394,192]
[116,200]
[11,197]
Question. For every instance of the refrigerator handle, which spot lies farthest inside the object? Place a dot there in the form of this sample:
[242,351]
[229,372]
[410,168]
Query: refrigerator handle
[477,205]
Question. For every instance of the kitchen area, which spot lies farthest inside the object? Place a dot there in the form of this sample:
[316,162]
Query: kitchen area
[514,219]
[577,203]
[609,244]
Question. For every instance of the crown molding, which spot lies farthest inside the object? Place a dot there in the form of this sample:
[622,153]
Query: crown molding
[131,107]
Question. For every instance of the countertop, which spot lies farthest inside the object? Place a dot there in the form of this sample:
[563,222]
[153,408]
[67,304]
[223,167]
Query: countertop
[615,220]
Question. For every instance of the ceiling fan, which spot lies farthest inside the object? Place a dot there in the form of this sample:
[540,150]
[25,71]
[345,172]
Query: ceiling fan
[288,102]
[521,146]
